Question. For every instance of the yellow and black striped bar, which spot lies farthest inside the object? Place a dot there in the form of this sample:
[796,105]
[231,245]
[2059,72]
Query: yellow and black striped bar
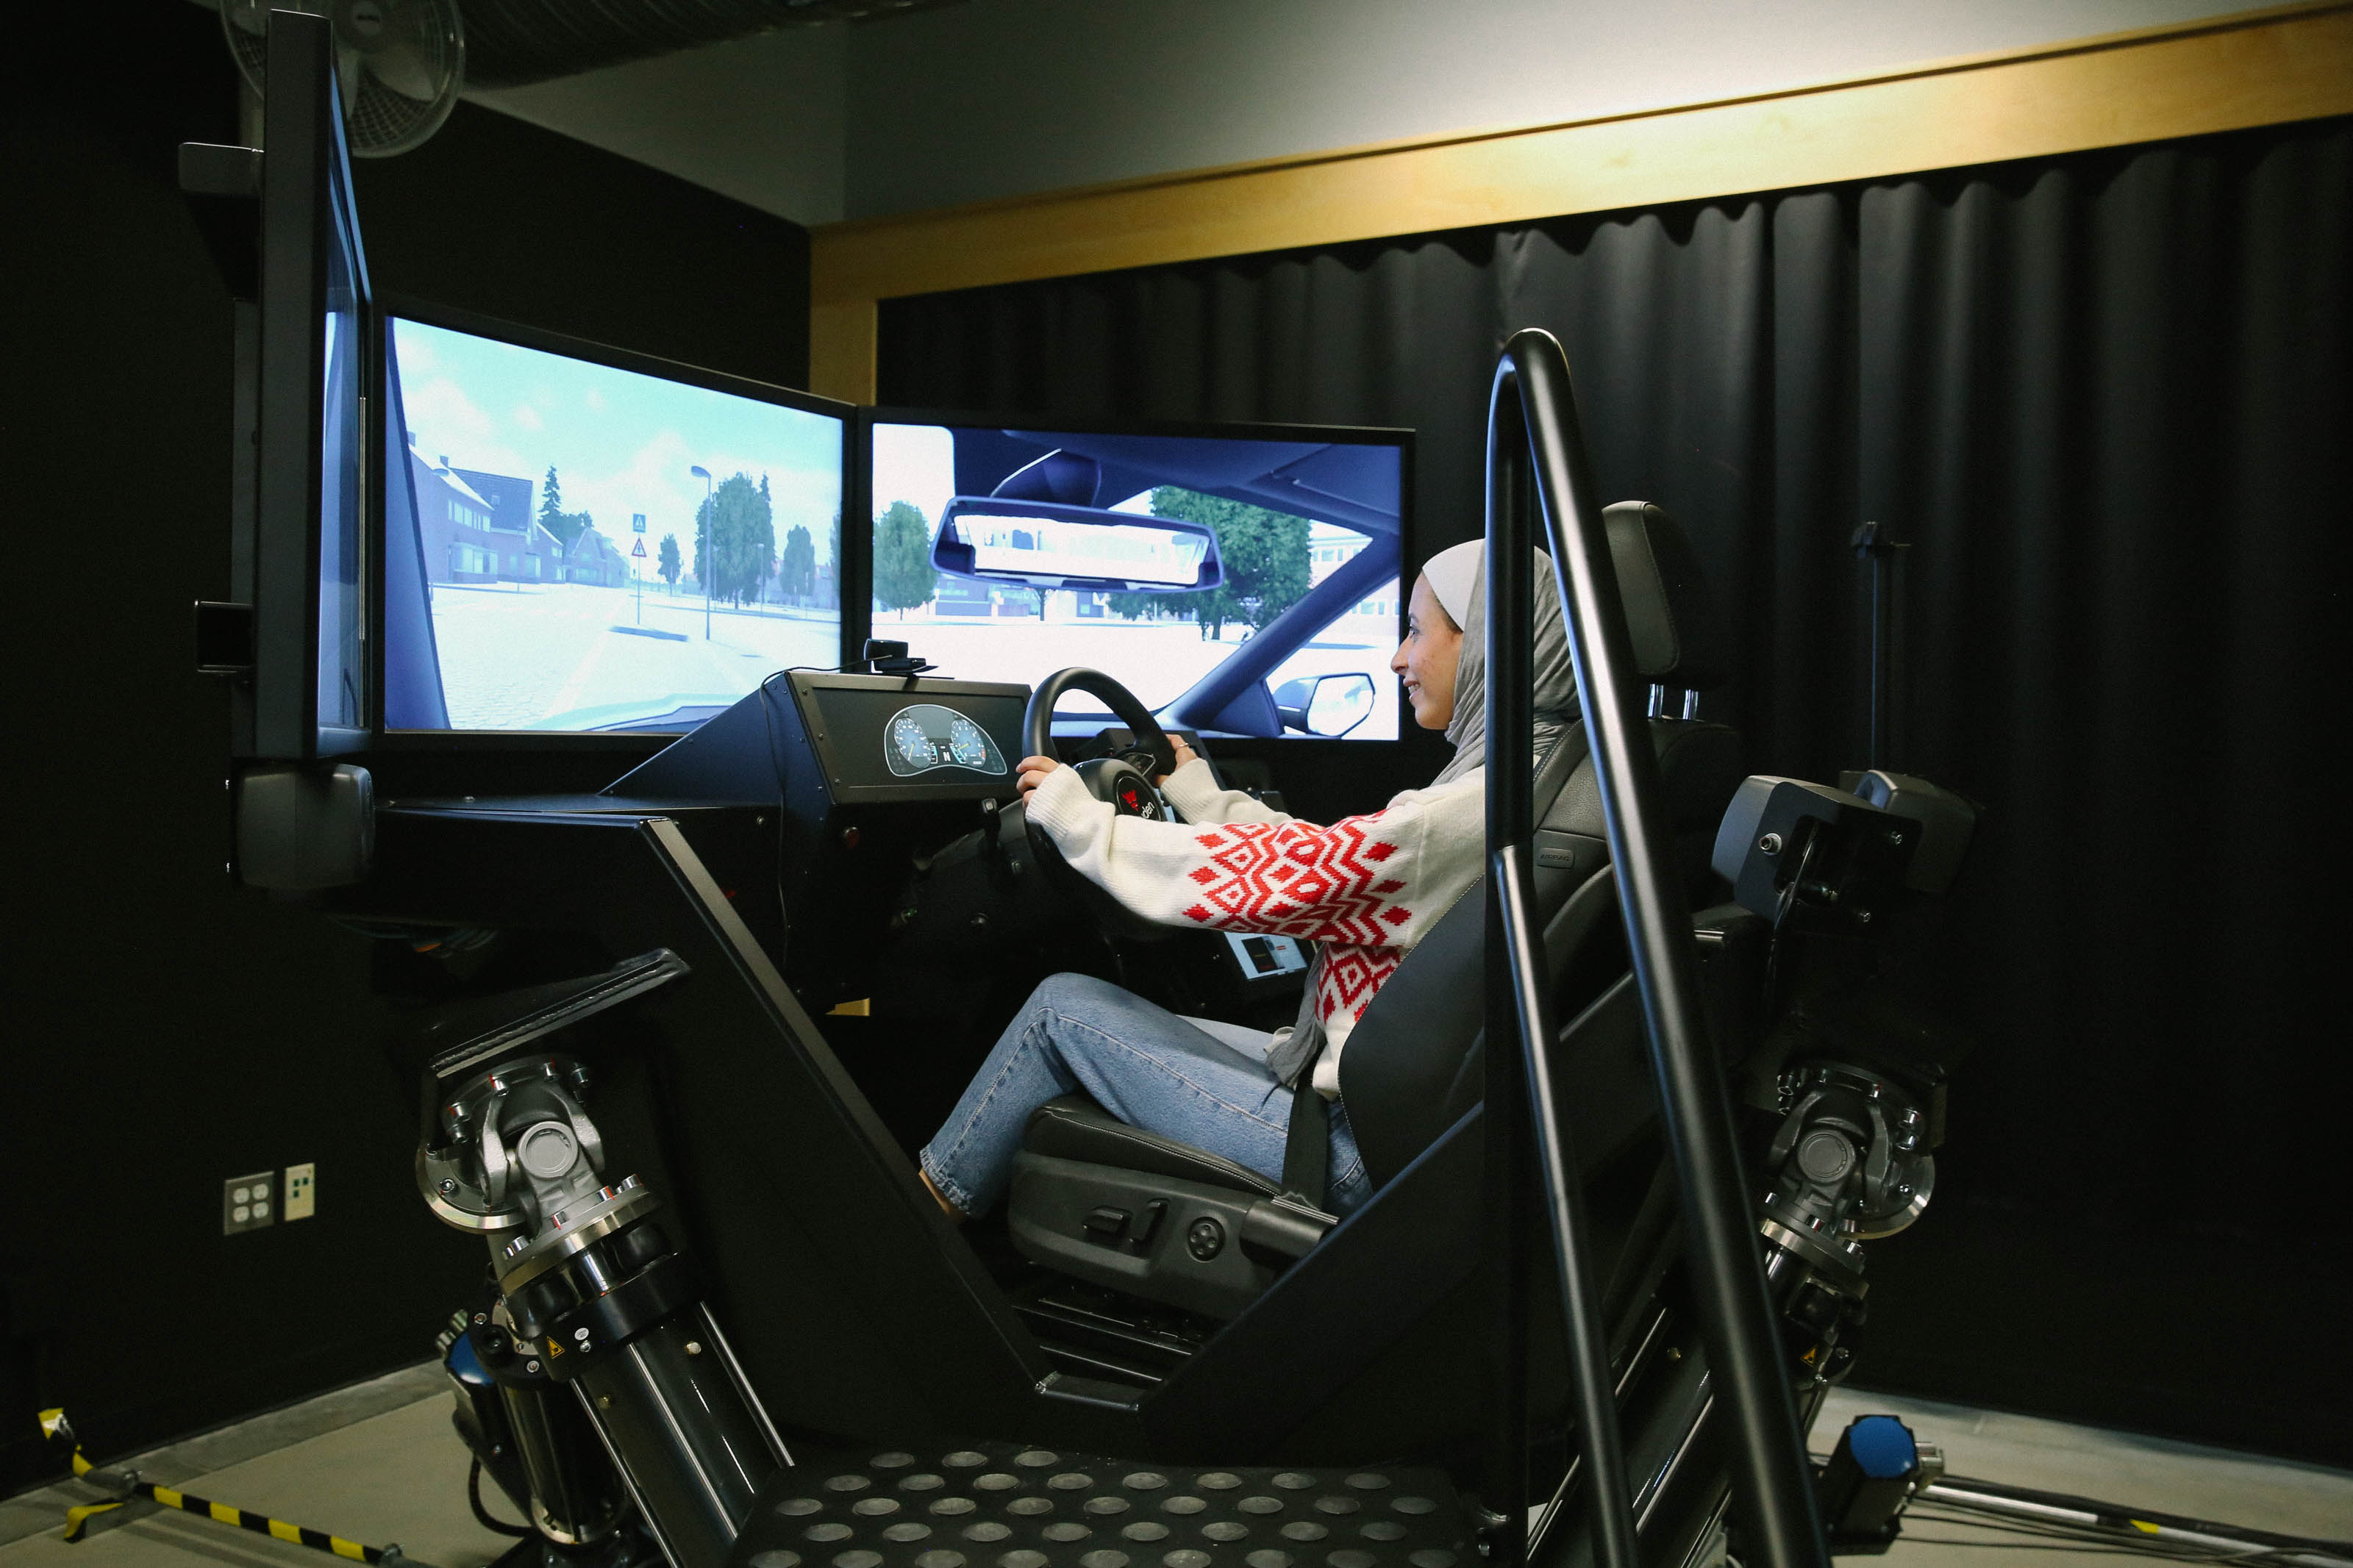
[54,1424]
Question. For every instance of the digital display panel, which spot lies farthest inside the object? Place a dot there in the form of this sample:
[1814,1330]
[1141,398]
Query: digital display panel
[343,672]
[299,561]
[605,548]
[1309,525]
[884,739]
[924,737]
[1266,957]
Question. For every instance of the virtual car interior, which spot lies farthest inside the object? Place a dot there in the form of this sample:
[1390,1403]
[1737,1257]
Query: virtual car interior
[1237,584]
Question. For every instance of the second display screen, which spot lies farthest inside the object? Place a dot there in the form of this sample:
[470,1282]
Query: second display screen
[1289,513]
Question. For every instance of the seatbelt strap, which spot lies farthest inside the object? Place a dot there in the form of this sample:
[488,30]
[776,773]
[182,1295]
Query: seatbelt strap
[1307,1144]
[1307,1141]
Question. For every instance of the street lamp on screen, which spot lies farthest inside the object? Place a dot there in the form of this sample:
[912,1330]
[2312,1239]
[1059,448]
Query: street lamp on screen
[707,555]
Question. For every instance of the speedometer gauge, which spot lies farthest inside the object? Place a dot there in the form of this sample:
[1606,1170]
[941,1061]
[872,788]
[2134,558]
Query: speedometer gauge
[910,745]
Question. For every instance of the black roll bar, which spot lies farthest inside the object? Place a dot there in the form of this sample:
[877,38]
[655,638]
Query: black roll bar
[1535,435]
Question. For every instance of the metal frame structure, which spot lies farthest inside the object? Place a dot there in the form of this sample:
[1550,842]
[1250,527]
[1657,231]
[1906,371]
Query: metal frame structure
[1536,451]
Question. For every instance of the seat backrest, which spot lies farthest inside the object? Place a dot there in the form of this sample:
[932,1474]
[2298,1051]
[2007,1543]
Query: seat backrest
[1404,1074]
[1678,635]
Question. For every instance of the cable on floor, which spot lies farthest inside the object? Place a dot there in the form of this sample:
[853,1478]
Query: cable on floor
[482,1516]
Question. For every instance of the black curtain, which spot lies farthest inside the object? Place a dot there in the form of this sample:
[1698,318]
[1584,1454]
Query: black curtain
[2106,399]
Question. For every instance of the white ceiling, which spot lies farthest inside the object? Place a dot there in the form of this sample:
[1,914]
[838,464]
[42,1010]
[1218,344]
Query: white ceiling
[1001,98]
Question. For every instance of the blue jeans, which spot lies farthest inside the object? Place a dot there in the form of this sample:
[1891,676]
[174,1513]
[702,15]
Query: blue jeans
[1194,1079]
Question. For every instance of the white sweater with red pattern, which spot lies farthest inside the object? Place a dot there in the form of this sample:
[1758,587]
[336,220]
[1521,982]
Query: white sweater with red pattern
[1366,887]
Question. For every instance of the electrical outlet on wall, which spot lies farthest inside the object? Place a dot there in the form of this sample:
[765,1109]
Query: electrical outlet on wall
[248,1202]
[301,1191]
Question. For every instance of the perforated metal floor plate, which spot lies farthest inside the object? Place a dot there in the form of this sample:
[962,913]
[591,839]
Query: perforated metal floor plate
[1006,1506]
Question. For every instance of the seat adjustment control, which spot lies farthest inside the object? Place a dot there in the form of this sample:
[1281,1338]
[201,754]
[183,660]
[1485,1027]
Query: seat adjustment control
[1205,1238]
[1105,1223]
[1154,1213]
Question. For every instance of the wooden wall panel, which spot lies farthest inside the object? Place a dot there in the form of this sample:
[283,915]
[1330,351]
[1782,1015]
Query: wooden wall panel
[2294,62]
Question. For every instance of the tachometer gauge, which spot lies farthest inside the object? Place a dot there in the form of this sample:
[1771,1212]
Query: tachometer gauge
[966,744]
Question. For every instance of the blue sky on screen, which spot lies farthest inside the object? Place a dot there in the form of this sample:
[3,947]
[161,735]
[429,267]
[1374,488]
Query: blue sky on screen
[621,442]
[916,464]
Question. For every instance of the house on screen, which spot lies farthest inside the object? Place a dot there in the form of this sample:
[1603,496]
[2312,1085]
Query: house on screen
[477,527]
[596,560]
[1328,550]
[509,499]
[454,525]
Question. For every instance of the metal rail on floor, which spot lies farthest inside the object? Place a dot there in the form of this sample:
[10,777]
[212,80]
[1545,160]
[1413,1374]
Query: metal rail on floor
[2023,1510]
[128,1486]
[1536,450]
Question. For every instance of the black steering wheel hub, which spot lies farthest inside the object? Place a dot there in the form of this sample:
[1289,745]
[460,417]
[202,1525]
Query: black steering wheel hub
[1119,781]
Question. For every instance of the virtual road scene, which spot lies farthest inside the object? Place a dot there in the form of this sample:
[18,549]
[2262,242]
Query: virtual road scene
[1156,644]
[606,549]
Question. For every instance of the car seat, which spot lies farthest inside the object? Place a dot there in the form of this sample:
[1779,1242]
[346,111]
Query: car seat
[1118,1207]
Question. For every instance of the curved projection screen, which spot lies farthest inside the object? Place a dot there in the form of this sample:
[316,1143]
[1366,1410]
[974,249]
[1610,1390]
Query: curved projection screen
[559,509]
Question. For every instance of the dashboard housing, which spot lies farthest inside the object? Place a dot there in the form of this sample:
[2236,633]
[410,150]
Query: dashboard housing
[891,874]
[858,725]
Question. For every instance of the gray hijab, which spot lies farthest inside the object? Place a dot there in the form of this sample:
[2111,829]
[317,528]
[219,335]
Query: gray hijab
[1457,578]
[1555,669]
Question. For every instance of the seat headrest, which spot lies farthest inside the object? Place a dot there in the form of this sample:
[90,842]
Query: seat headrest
[1678,638]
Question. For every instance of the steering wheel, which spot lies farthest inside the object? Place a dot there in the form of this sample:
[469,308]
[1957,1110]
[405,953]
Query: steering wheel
[1124,781]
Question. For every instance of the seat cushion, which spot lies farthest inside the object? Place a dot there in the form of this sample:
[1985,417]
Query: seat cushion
[1076,1127]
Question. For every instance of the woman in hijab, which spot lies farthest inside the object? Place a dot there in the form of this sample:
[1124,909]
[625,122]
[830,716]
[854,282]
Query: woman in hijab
[1366,889]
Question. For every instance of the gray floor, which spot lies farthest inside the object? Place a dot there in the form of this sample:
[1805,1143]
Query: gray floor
[2117,1467]
[377,1463]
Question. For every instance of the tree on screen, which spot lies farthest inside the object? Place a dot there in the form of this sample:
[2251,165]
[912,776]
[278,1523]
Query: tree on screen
[764,542]
[670,565]
[903,577]
[1265,556]
[796,569]
[742,537]
[566,526]
[550,502]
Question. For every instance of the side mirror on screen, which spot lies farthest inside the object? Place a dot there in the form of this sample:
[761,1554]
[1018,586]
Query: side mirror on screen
[1325,705]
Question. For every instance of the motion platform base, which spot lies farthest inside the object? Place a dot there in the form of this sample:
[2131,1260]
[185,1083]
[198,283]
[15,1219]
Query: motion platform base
[1029,1508]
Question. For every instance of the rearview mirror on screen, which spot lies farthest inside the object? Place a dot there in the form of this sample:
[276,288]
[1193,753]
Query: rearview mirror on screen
[1046,544]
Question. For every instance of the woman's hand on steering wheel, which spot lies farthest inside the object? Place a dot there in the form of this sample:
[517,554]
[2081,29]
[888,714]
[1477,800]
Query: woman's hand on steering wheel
[1126,781]
[1033,770]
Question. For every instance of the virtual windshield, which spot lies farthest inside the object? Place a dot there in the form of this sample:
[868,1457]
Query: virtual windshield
[1156,644]
[608,550]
